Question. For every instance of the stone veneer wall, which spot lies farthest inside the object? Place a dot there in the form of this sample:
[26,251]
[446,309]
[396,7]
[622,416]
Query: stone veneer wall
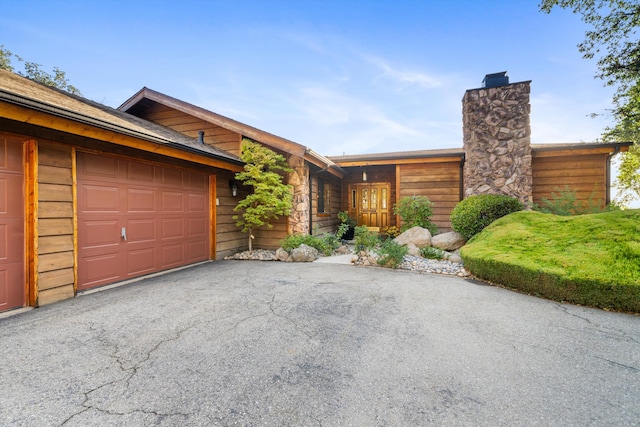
[299,219]
[497,141]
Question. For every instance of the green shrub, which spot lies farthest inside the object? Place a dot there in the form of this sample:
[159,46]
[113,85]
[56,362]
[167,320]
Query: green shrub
[345,229]
[565,202]
[474,213]
[415,211]
[365,239]
[325,244]
[391,253]
[431,253]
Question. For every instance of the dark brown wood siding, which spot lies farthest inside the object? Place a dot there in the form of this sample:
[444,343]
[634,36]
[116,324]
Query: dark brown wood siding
[586,174]
[229,238]
[191,126]
[440,182]
[326,222]
[271,238]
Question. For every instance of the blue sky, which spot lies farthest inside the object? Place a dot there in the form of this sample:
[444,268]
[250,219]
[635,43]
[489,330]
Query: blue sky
[337,76]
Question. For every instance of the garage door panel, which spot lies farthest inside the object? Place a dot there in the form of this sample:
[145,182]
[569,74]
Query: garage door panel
[197,202]
[99,269]
[196,251]
[141,230]
[11,196]
[199,183]
[171,178]
[12,293]
[172,201]
[140,261]
[98,198]
[98,234]
[99,167]
[10,156]
[140,172]
[141,200]
[172,255]
[172,228]
[196,227]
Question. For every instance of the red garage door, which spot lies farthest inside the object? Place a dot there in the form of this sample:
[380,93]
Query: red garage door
[12,280]
[136,218]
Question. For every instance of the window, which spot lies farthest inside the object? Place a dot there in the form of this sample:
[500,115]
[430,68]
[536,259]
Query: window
[324,197]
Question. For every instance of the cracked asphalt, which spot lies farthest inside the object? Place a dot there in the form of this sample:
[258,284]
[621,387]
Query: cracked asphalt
[244,343]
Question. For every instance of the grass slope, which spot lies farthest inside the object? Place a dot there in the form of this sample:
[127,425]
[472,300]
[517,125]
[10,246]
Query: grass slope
[587,259]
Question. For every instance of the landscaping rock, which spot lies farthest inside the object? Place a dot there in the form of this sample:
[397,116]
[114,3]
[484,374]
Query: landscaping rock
[343,250]
[282,255]
[421,237]
[448,241]
[304,253]
[453,258]
[413,249]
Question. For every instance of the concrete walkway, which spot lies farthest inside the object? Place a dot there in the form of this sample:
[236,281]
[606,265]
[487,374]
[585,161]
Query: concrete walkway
[336,259]
[270,343]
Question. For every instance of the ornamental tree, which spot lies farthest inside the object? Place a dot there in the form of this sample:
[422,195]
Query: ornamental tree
[270,198]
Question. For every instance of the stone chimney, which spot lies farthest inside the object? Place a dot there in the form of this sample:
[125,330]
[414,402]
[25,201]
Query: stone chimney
[497,138]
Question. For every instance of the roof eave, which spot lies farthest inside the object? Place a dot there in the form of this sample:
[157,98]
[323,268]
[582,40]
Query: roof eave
[217,119]
[31,104]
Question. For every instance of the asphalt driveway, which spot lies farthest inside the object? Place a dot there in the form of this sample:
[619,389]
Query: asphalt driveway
[268,343]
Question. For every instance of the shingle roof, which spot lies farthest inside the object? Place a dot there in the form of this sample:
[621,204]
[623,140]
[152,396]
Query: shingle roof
[21,91]
[444,152]
[230,124]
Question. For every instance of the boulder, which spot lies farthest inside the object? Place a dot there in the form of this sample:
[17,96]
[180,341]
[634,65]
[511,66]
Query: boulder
[413,249]
[452,257]
[304,253]
[282,255]
[421,237]
[448,241]
[343,250]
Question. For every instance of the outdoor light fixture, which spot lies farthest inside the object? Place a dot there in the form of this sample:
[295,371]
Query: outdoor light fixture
[234,188]
[364,175]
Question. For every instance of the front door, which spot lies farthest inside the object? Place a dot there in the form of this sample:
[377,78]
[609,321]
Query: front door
[371,204]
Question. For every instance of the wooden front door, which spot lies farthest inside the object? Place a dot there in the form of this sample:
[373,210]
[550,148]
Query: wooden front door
[370,203]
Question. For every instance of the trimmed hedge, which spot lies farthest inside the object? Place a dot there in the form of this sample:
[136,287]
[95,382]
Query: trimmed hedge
[591,260]
[474,213]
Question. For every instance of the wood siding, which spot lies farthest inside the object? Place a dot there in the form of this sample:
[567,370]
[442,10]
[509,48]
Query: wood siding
[55,233]
[229,238]
[586,174]
[191,126]
[440,182]
[326,222]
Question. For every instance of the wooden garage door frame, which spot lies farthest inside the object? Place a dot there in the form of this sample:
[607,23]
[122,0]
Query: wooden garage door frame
[123,183]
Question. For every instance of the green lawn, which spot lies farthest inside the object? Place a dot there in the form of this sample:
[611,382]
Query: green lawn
[587,259]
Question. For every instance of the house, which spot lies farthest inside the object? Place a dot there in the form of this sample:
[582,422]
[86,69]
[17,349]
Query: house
[316,180]
[94,195]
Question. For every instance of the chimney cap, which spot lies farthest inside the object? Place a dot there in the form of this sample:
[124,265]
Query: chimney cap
[495,80]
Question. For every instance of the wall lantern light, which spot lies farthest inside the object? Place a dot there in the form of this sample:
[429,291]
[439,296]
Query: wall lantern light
[234,188]
[364,175]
